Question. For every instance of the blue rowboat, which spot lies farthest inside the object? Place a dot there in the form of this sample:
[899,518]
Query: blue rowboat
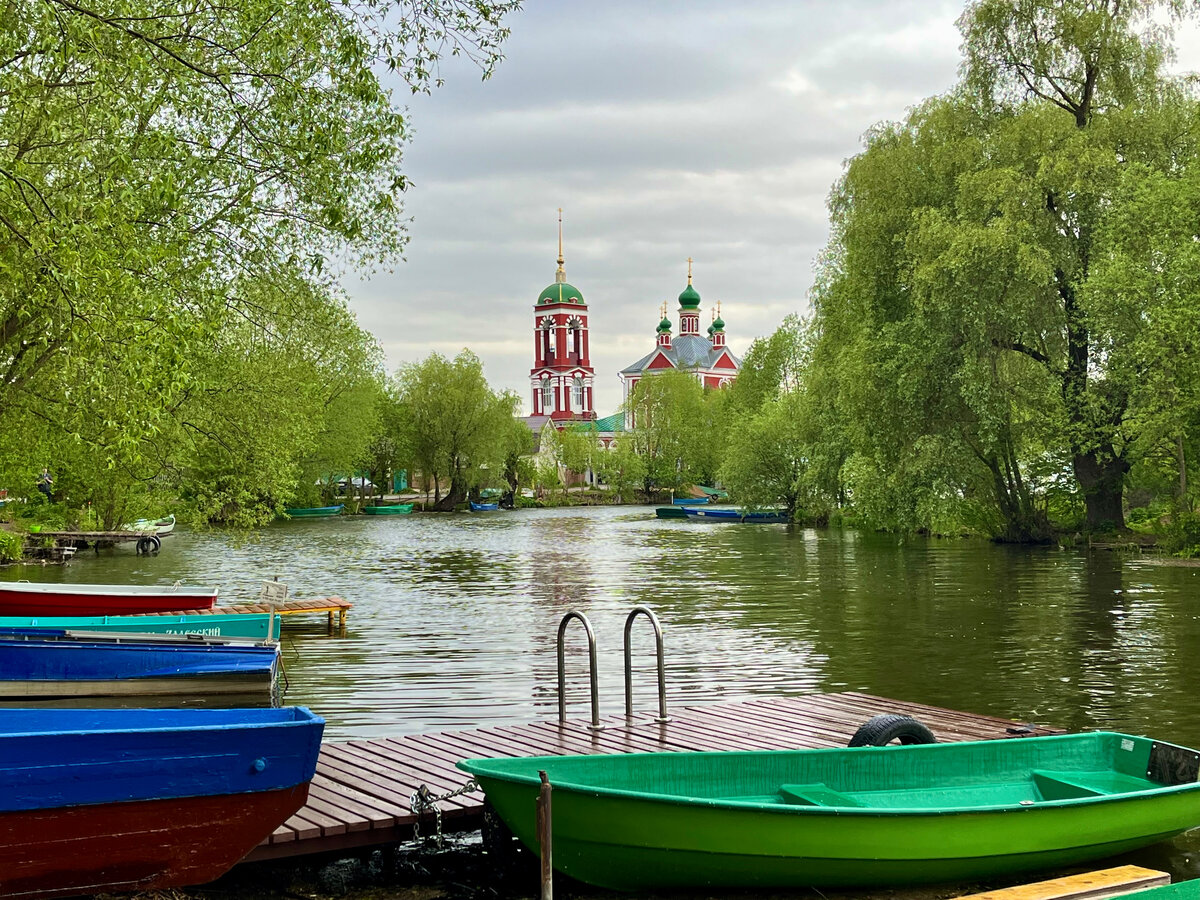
[144,799]
[689,501]
[482,507]
[253,626]
[81,668]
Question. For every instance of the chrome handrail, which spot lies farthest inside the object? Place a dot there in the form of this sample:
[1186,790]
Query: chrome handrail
[662,678]
[562,674]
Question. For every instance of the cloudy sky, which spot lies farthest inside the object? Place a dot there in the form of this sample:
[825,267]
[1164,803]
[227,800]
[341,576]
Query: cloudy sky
[664,130]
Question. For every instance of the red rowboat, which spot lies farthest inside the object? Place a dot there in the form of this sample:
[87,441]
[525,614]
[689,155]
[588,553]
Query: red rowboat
[23,598]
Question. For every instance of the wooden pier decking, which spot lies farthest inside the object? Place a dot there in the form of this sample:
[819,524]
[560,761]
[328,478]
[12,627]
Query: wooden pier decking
[331,606]
[360,795]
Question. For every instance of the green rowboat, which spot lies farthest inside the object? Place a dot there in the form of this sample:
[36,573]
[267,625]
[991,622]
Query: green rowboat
[396,509]
[313,512]
[671,512]
[239,625]
[868,816]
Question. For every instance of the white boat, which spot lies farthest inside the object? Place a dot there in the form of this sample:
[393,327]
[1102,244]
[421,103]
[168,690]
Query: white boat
[161,526]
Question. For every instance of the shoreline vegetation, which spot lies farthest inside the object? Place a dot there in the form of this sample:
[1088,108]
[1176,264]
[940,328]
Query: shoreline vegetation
[1003,339]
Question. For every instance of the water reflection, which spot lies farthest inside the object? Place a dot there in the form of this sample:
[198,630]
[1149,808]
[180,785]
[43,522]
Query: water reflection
[455,617]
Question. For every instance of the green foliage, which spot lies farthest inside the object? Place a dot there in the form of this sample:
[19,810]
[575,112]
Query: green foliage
[12,546]
[1182,535]
[672,431]
[172,195]
[1005,315]
[453,424]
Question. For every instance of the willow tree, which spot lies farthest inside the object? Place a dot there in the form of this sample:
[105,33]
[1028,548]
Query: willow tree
[453,424]
[962,279]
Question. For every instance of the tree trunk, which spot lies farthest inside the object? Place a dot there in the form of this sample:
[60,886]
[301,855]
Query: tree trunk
[1182,470]
[1101,476]
[456,495]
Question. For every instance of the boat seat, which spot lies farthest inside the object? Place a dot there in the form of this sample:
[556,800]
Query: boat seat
[815,795]
[1074,785]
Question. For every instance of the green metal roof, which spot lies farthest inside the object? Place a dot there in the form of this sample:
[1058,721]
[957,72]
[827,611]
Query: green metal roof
[718,324]
[615,422]
[560,292]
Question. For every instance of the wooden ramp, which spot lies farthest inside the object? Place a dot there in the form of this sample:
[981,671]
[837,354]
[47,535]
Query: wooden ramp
[360,795]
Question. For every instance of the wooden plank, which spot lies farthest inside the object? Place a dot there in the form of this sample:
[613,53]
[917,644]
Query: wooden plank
[1087,886]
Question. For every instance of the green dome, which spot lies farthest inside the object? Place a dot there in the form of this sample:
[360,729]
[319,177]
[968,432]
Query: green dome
[689,299]
[560,292]
[718,324]
[664,325]
[710,329]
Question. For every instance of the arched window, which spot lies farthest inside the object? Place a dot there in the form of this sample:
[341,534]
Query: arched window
[575,338]
[547,396]
[577,394]
[547,327]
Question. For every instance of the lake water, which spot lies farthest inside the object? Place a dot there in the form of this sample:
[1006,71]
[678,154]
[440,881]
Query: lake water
[455,617]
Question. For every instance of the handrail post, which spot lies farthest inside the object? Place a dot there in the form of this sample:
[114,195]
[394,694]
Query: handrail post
[658,646]
[562,666]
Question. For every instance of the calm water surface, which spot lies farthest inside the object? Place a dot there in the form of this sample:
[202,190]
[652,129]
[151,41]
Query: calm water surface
[455,617]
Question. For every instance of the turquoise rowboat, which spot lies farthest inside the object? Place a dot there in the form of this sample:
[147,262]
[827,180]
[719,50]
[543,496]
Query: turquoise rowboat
[868,816]
[395,509]
[256,626]
[313,512]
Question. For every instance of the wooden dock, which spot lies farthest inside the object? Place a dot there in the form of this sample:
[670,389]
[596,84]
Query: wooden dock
[360,795]
[331,606]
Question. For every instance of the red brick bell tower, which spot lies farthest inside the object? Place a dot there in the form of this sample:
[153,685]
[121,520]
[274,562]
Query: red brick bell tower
[562,373]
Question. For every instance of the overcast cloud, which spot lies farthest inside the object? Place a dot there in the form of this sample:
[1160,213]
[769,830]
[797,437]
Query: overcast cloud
[665,130]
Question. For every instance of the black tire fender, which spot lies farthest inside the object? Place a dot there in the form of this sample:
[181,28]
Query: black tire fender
[143,546]
[883,729]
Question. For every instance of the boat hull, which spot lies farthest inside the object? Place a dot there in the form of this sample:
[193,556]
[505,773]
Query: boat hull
[314,512]
[97,800]
[483,507]
[26,599]
[146,845]
[635,832]
[45,667]
[671,512]
[628,846]
[254,626]
[400,509]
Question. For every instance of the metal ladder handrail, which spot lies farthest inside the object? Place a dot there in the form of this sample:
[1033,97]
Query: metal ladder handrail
[662,678]
[562,673]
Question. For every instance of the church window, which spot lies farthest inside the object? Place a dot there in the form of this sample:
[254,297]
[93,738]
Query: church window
[547,395]
[577,394]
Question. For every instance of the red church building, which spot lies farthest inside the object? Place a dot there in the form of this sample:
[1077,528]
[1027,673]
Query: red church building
[713,363]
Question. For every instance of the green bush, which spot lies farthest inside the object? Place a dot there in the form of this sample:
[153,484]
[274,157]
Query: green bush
[1182,535]
[11,546]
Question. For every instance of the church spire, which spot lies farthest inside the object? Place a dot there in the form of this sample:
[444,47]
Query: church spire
[560,274]
[689,270]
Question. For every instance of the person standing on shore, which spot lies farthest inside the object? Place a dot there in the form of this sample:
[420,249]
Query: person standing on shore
[45,482]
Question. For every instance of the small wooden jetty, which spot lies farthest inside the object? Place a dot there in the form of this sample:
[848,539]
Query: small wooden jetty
[64,544]
[331,606]
[360,795]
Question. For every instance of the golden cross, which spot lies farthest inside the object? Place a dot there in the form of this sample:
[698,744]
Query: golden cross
[662,310]
[689,270]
